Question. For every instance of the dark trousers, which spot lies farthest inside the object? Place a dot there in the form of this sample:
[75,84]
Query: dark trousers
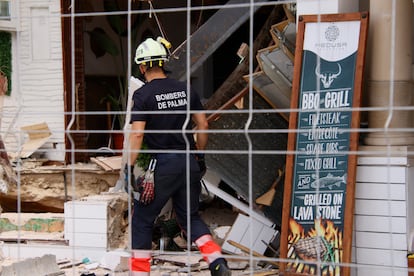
[170,180]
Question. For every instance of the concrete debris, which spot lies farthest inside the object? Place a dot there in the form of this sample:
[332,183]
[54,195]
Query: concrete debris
[36,136]
[45,265]
[24,227]
[97,221]
[45,187]
[68,263]
[115,260]
[180,263]
[7,174]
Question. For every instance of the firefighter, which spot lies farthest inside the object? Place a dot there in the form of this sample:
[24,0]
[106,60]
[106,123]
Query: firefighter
[159,116]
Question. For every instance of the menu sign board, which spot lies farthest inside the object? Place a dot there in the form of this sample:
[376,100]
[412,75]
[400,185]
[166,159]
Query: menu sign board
[318,203]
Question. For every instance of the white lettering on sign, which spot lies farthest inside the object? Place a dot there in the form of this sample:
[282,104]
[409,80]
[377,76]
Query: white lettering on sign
[327,118]
[329,212]
[337,99]
[303,213]
[171,100]
[327,163]
[321,148]
[317,199]
[310,100]
[313,163]
[314,149]
[319,206]
[170,96]
[332,99]
[332,147]
[323,133]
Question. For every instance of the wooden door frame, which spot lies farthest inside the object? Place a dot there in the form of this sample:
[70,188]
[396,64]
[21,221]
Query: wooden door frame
[74,89]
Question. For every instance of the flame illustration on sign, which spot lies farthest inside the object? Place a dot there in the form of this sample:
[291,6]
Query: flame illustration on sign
[317,251]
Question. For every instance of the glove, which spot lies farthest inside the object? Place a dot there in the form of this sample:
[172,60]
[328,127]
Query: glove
[201,163]
[146,185]
[146,189]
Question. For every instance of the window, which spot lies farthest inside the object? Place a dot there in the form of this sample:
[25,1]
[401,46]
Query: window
[7,15]
[4,10]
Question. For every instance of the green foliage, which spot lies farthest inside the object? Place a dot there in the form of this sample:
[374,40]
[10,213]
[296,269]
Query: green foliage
[144,158]
[6,56]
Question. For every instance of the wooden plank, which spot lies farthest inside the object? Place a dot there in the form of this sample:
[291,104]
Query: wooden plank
[379,271]
[381,257]
[70,264]
[108,163]
[254,253]
[38,134]
[266,273]
[37,131]
[384,152]
[206,39]
[285,33]
[381,174]
[380,224]
[181,260]
[410,208]
[114,162]
[389,161]
[271,92]
[410,260]
[384,191]
[276,64]
[235,83]
[380,208]
[101,164]
[24,236]
[381,240]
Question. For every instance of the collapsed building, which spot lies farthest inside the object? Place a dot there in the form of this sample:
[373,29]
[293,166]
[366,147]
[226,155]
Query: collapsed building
[249,158]
[49,185]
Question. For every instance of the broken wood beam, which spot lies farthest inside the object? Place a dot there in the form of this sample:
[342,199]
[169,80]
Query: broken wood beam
[267,198]
[211,35]
[235,82]
[254,253]
[108,163]
[227,105]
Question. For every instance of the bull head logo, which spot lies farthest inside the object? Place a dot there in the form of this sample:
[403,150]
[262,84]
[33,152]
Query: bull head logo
[328,77]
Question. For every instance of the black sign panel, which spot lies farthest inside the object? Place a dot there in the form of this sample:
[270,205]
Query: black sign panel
[320,185]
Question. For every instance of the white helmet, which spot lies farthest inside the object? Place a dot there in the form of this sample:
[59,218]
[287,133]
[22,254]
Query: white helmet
[151,50]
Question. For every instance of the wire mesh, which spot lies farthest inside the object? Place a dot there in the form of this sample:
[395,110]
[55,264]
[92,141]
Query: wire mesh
[78,82]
